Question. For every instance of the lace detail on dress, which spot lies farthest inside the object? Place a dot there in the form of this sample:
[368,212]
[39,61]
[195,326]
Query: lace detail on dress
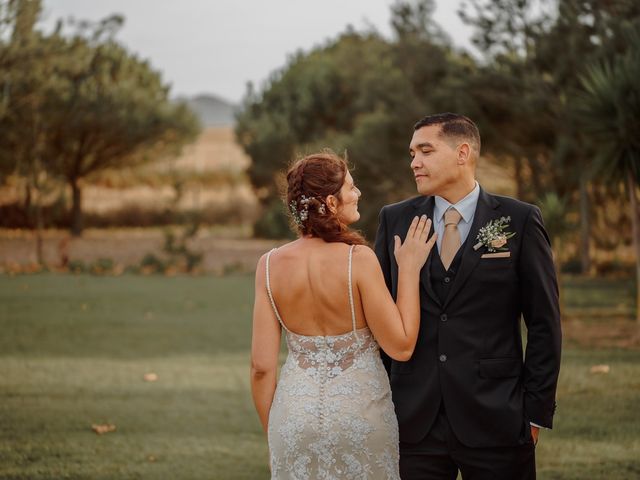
[332,416]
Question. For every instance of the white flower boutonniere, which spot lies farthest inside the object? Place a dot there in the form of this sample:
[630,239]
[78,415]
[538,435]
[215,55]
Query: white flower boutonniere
[494,235]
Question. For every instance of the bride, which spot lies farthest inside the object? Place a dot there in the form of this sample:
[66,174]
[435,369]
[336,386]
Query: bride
[330,414]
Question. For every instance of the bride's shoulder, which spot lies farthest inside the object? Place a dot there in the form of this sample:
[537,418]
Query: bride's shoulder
[263,258]
[364,255]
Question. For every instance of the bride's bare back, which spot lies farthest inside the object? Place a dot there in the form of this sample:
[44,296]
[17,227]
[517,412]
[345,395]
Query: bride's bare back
[310,284]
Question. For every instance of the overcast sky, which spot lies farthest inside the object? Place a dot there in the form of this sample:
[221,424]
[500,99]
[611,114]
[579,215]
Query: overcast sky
[217,46]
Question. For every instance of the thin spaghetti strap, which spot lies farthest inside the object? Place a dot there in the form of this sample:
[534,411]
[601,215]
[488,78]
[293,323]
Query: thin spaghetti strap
[273,304]
[353,310]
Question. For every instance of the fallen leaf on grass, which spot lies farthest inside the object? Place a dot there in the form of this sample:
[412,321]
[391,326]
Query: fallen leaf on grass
[150,377]
[600,369]
[103,428]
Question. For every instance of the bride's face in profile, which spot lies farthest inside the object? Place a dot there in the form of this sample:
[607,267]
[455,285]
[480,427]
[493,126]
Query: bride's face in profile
[347,209]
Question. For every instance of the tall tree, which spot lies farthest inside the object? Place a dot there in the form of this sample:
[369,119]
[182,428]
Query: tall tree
[360,93]
[609,110]
[112,110]
[27,67]
[534,54]
[95,105]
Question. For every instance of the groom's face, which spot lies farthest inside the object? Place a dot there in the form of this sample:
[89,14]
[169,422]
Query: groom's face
[433,161]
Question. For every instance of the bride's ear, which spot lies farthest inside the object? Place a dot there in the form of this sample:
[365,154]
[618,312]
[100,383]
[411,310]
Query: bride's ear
[332,203]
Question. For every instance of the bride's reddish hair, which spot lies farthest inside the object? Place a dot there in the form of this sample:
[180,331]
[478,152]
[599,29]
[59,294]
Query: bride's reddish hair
[317,176]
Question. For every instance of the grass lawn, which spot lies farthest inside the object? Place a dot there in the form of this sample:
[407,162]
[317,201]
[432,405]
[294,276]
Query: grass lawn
[74,350]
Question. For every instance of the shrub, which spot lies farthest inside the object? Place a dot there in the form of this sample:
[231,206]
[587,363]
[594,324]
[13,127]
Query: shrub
[274,222]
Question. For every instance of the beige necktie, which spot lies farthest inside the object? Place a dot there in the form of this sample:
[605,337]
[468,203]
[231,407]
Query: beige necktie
[451,238]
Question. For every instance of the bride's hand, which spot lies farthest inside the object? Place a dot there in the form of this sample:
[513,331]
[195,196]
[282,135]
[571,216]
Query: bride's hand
[414,251]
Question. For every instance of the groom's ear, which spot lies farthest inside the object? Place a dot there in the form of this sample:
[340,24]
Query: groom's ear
[464,150]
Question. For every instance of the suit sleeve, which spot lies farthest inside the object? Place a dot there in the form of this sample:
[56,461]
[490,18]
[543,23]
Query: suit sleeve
[381,248]
[541,313]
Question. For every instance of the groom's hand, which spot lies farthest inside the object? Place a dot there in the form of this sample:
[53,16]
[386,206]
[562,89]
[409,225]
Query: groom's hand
[535,431]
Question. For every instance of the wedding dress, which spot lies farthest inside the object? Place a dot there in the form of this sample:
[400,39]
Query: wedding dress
[332,416]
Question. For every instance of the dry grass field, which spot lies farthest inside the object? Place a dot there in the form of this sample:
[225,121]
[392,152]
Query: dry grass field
[211,171]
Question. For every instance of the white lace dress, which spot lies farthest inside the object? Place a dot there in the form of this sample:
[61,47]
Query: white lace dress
[332,415]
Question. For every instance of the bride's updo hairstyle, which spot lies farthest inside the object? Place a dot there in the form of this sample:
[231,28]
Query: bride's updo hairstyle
[310,180]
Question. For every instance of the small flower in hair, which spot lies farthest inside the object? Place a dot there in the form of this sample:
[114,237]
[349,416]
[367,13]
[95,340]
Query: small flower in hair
[294,213]
[300,215]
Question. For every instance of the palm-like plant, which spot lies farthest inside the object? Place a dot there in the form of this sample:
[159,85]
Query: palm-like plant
[609,111]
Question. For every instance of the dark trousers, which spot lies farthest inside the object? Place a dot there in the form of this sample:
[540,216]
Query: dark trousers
[440,455]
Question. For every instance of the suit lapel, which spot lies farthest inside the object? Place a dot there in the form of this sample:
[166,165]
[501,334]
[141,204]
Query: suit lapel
[485,211]
[426,207]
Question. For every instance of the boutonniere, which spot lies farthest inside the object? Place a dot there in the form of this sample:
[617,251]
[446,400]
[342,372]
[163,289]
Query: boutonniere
[494,235]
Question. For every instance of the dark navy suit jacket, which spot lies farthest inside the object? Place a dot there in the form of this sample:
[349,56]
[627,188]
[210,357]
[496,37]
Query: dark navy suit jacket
[469,352]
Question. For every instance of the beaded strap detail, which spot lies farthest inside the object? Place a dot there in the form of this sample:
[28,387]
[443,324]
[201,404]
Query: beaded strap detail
[273,303]
[353,310]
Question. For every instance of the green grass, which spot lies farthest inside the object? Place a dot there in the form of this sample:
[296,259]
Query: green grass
[597,297]
[74,349]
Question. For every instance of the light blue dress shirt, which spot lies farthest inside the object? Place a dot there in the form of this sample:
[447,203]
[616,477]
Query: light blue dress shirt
[466,207]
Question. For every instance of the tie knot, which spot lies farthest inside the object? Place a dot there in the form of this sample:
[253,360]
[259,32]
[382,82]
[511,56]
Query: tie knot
[452,217]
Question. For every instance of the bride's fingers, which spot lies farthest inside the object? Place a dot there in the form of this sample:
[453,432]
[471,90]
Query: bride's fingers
[420,227]
[424,222]
[425,230]
[396,244]
[412,228]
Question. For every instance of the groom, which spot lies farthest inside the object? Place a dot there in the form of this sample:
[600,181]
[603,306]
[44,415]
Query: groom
[469,400]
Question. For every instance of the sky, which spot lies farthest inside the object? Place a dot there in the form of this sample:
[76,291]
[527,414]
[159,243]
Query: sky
[217,46]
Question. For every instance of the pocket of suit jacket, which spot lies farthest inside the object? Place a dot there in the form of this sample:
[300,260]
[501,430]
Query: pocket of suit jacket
[505,367]
[495,261]
[496,255]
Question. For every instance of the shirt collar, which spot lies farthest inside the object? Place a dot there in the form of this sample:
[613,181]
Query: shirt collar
[466,207]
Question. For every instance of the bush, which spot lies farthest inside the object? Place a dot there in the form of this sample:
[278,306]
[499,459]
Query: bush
[77,266]
[571,266]
[274,222]
[102,265]
[615,267]
[56,215]
[177,256]
[153,264]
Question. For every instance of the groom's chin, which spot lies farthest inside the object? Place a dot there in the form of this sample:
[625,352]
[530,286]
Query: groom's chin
[422,190]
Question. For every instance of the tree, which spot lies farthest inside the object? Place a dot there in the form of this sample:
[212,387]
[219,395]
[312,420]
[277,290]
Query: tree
[93,105]
[25,61]
[609,110]
[361,94]
[343,96]
[533,61]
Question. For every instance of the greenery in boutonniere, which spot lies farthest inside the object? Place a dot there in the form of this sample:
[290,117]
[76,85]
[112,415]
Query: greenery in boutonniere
[494,235]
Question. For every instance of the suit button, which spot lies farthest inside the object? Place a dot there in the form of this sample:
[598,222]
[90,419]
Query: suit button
[447,279]
[444,317]
[443,358]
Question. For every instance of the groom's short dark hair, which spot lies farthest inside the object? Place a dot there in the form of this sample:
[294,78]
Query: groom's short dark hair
[453,125]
